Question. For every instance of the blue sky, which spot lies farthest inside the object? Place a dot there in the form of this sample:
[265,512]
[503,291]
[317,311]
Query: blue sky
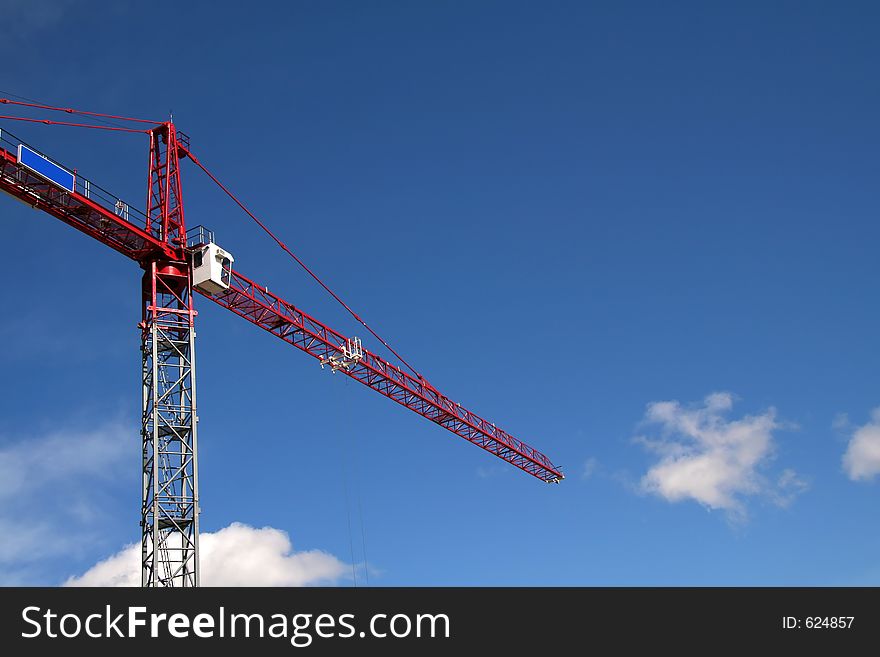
[639,236]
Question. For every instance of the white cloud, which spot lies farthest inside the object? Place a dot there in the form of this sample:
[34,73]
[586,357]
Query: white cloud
[861,461]
[238,555]
[35,16]
[590,467]
[48,482]
[712,460]
[788,486]
[57,489]
[29,464]
[485,472]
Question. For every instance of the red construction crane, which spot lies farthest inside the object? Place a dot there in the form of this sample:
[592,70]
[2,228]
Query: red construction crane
[176,263]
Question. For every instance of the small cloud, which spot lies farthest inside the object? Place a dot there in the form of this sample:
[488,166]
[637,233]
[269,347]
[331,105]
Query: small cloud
[718,462]
[237,555]
[52,487]
[788,486]
[33,17]
[591,465]
[840,422]
[861,461]
[486,472]
[61,456]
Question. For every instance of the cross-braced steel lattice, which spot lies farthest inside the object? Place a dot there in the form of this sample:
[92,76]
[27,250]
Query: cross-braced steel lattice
[170,510]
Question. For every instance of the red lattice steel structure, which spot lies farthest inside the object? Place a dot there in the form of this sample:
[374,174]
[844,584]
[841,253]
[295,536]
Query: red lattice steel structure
[156,240]
[90,209]
[164,200]
[268,311]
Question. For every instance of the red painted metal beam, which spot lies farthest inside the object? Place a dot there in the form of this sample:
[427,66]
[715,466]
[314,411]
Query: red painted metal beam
[89,209]
[268,311]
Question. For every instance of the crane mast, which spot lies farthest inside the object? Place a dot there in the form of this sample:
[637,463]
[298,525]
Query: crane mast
[169,423]
[174,270]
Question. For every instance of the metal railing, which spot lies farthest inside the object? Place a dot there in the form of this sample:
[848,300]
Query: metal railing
[198,236]
[95,193]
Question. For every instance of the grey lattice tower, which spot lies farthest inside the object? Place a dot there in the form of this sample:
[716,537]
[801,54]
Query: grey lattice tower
[169,512]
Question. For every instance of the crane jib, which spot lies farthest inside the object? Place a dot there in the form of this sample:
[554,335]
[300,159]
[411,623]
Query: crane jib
[255,303]
[87,207]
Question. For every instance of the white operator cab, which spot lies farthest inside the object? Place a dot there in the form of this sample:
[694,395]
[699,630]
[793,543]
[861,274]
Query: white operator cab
[211,268]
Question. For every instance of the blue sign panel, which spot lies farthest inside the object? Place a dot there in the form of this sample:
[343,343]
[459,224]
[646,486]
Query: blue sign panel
[45,168]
